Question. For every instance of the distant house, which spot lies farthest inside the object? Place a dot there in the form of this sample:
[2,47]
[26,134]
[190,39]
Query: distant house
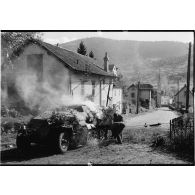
[145,94]
[166,100]
[65,72]
[179,99]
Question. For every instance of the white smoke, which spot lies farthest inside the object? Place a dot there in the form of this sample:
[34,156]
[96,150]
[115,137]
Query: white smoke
[42,96]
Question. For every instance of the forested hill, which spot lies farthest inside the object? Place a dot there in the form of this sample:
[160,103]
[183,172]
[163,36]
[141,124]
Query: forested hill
[133,57]
[123,52]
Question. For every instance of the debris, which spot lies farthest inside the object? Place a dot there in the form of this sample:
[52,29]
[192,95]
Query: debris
[11,146]
[153,125]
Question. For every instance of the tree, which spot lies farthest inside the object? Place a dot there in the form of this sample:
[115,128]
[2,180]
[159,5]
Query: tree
[82,49]
[12,41]
[91,54]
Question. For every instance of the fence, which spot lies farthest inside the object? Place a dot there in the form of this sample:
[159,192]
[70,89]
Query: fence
[182,129]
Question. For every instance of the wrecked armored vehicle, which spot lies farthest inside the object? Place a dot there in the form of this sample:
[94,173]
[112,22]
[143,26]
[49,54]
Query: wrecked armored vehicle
[61,129]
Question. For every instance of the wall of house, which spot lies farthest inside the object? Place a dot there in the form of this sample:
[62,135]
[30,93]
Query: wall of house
[132,99]
[117,99]
[182,99]
[55,74]
[165,100]
[61,79]
[145,94]
[81,85]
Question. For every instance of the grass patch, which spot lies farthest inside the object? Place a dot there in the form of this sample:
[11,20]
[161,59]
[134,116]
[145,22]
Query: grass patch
[143,135]
[159,139]
[183,147]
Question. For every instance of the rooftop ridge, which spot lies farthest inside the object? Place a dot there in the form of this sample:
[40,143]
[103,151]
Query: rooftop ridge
[54,49]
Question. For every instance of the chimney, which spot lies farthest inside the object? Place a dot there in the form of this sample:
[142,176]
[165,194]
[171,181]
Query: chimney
[106,60]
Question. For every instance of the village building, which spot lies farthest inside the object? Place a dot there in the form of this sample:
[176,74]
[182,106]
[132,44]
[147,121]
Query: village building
[68,72]
[145,95]
[179,99]
[166,100]
[117,98]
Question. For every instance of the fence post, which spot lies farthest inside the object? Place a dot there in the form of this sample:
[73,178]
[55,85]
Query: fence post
[170,130]
[174,129]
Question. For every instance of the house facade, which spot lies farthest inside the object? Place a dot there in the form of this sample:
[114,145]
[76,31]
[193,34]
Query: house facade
[63,72]
[117,98]
[166,100]
[179,99]
[145,94]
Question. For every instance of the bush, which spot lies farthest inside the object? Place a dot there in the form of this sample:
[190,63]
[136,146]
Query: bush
[158,140]
[182,146]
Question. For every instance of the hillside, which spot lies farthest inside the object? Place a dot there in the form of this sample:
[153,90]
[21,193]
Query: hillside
[145,58]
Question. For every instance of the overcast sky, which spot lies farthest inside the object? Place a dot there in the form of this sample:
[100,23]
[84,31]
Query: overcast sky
[62,37]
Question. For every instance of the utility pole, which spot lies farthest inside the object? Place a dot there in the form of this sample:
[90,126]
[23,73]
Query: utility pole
[108,95]
[137,110]
[194,66]
[188,78]
[159,89]
[178,93]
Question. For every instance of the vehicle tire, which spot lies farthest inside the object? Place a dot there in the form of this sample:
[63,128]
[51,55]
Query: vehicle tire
[63,142]
[22,143]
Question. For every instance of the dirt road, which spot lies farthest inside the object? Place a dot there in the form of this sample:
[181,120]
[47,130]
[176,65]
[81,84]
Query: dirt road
[112,154]
[134,150]
[162,115]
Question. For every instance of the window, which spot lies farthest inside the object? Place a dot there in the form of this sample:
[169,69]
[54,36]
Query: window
[35,65]
[132,95]
[133,102]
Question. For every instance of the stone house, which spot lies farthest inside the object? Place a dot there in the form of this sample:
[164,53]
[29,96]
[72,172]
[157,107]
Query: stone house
[179,99]
[166,100]
[66,72]
[145,95]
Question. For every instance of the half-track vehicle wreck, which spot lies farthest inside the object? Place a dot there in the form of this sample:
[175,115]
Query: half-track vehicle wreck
[63,128]
[69,127]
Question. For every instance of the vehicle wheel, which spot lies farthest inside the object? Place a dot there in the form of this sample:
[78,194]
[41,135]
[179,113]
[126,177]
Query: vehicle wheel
[22,143]
[63,142]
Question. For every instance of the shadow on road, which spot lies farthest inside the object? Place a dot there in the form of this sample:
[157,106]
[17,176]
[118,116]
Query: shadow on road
[14,155]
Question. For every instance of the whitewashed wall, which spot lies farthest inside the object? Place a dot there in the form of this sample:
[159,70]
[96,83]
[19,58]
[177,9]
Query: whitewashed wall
[56,74]
[117,98]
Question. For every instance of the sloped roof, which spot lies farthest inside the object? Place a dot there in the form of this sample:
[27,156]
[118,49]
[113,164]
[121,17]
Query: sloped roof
[182,90]
[142,86]
[72,60]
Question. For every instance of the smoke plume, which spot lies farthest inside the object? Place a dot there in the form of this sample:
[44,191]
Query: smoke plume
[44,95]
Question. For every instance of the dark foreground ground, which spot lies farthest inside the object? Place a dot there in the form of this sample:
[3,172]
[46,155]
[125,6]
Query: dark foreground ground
[136,147]
[134,150]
